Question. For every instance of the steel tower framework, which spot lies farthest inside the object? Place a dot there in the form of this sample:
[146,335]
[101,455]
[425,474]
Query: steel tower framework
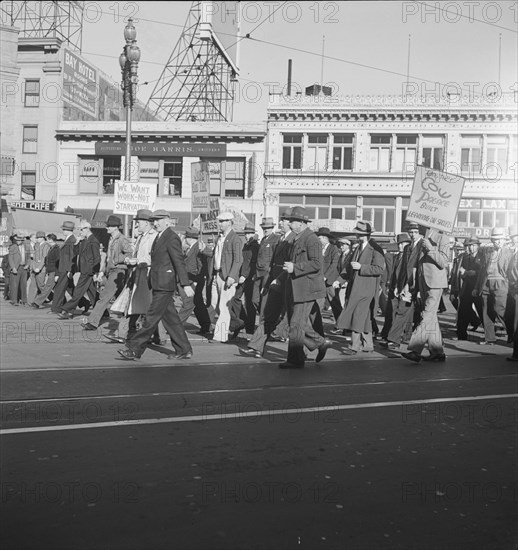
[46,19]
[197,82]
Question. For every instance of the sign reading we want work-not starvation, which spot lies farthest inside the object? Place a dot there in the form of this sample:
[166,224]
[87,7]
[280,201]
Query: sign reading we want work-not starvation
[435,199]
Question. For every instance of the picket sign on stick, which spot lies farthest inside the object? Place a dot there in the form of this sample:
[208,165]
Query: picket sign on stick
[435,199]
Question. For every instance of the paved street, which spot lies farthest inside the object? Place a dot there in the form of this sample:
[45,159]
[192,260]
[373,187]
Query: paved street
[230,452]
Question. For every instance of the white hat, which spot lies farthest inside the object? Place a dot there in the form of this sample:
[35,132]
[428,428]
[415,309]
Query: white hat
[498,233]
[85,223]
[226,216]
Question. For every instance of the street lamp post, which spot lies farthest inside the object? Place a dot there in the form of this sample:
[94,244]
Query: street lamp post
[128,61]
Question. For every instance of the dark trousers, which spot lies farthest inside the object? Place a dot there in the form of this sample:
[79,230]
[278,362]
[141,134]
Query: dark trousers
[402,321]
[85,284]
[333,297]
[18,286]
[257,298]
[58,300]
[272,309]
[302,317]
[388,313]
[196,305]
[465,314]
[7,280]
[242,308]
[162,308]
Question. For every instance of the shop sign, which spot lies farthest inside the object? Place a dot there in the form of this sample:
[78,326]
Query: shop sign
[34,205]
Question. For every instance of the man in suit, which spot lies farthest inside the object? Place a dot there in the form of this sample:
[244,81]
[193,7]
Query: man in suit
[331,256]
[38,271]
[264,259]
[117,257]
[19,262]
[243,315]
[397,303]
[431,277]
[167,264]
[51,263]
[469,266]
[65,265]
[273,304]
[196,271]
[88,260]
[225,261]
[366,267]
[492,284]
[304,287]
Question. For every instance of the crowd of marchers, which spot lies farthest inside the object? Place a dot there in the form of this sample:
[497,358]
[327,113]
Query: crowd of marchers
[273,288]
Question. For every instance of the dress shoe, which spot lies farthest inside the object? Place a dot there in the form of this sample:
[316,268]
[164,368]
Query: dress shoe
[486,343]
[115,339]
[336,331]
[392,346]
[322,350]
[128,354]
[249,352]
[349,351]
[88,326]
[512,358]
[64,315]
[412,356]
[35,306]
[277,338]
[235,334]
[288,365]
[186,355]
[439,358]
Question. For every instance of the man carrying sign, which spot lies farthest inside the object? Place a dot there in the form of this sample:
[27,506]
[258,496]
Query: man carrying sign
[431,279]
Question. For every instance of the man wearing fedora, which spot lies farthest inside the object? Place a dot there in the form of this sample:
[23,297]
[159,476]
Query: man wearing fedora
[430,280]
[331,255]
[51,263]
[469,266]
[65,266]
[496,268]
[243,314]
[340,284]
[167,265]
[19,262]
[392,332]
[38,271]
[119,250]
[195,263]
[137,279]
[264,258]
[88,264]
[273,304]
[225,261]
[304,287]
[366,268]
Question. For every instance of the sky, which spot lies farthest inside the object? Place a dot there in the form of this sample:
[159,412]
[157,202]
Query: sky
[364,44]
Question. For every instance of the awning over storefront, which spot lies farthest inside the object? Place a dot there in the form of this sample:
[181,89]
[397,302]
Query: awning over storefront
[181,220]
[30,221]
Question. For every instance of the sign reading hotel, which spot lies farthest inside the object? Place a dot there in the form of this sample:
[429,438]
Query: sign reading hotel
[200,187]
[132,196]
[79,83]
[435,199]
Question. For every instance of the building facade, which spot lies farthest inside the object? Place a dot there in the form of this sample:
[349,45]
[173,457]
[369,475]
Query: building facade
[354,158]
[92,159]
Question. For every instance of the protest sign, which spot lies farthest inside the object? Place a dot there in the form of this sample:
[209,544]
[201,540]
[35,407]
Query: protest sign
[132,196]
[209,220]
[435,199]
[200,202]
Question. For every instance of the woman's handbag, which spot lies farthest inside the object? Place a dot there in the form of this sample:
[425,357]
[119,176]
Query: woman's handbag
[121,304]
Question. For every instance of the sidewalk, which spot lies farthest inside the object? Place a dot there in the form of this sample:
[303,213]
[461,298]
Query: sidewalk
[34,339]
